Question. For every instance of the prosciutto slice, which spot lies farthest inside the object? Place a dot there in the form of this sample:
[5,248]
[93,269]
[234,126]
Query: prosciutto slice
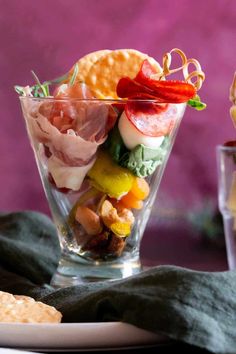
[79,144]
[70,131]
[65,176]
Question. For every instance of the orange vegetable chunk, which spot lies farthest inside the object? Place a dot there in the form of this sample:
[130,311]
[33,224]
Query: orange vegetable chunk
[140,188]
[131,202]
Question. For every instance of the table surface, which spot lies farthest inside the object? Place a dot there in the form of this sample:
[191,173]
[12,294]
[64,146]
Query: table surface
[172,348]
[177,243]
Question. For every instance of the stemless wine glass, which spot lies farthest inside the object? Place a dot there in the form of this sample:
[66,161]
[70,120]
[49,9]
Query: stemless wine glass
[86,170]
[226,166]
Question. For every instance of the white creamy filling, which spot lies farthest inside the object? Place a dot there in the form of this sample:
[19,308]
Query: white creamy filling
[132,137]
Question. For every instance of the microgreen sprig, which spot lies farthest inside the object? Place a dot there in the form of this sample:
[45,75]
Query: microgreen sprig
[44,87]
[40,89]
[74,75]
[196,103]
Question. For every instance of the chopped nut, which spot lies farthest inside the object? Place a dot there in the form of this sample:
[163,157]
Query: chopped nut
[116,245]
[122,218]
[97,243]
[89,220]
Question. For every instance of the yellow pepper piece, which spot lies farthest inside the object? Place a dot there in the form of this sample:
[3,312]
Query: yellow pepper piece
[120,229]
[110,178]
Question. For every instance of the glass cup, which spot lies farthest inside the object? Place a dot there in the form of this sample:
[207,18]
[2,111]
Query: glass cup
[226,163]
[100,192]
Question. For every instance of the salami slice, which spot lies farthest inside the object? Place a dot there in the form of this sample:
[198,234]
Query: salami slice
[152,119]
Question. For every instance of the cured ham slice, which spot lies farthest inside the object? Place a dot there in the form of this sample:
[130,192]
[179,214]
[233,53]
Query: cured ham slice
[69,147]
[70,129]
[65,176]
[79,144]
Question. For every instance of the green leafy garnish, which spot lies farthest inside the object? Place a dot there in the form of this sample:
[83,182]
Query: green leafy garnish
[58,80]
[143,160]
[36,90]
[19,90]
[196,103]
[114,144]
[42,89]
[74,75]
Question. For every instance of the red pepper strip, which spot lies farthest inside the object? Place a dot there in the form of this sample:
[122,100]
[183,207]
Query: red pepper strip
[230,143]
[147,97]
[178,91]
[171,91]
[163,91]
[127,87]
[149,117]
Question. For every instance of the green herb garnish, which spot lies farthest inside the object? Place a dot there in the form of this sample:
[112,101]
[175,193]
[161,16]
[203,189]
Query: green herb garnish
[74,75]
[115,145]
[143,160]
[19,90]
[42,89]
[196,103]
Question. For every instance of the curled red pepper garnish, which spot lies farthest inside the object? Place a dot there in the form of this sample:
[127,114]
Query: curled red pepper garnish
[146,85]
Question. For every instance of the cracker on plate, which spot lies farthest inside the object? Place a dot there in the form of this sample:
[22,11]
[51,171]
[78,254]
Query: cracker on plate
[24,309]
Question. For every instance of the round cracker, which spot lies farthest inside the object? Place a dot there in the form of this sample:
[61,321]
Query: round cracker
[24,309]
[6,297]
[105,73]
[23,298]
[85,63]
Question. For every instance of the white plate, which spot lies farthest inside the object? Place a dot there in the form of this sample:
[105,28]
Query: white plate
[79,336]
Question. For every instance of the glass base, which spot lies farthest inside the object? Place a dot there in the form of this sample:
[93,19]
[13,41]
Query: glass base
[230,239]
[74,270]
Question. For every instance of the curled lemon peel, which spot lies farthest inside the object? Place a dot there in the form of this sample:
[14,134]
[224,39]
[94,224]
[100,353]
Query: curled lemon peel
[196,77]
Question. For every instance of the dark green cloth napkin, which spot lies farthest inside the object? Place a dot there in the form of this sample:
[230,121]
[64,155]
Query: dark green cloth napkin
[195,307]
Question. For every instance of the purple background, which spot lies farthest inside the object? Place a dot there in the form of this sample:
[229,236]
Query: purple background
[49,36]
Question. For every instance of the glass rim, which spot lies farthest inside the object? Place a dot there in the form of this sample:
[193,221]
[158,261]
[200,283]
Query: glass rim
[221,147]
[108,100]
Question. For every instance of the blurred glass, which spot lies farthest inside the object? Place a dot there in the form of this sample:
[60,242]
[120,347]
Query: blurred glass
[226,163]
